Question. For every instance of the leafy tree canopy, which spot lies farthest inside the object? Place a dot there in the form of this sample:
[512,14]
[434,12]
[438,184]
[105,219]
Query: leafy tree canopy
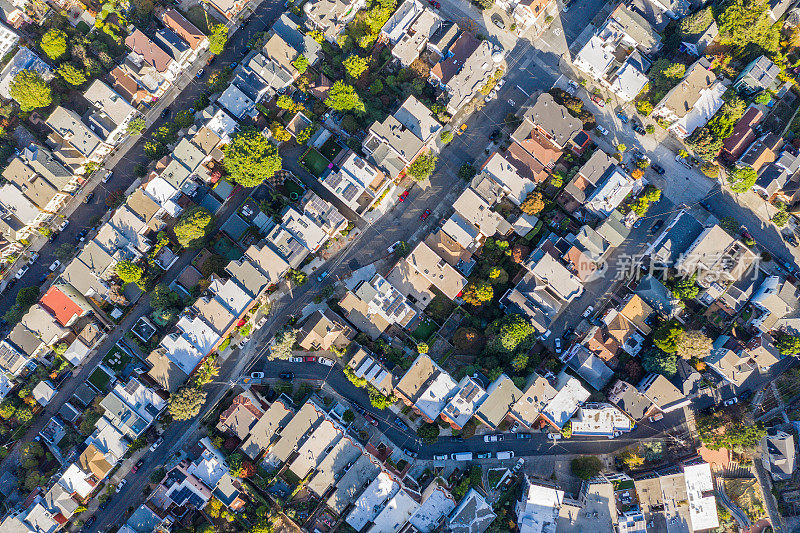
[667,335]
[685,288]
[71,74]
[355,66]
[533,203]
[513,332]
[343,97]
[742,22]
[429,433]
[30,90]
[694,343]
[128,272]
[659,362]
[193,227]
[742,179]
[301,64]
[788,344]
[586,467]
[423,166]
[54,43]
[250,158]
[218,39]
[186,403]
[696,22]
[478,292]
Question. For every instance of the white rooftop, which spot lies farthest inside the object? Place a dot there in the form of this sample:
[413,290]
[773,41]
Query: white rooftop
[600,419]
[702,503]
[538,510]
[74,480]
[372,500]
[506,175]
[394,514]
[569,397]
[208,468]
[436,395]
[437,504]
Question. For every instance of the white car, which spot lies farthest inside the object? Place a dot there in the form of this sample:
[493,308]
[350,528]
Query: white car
[34,257]
[63,225]
[55,265]
[554,437]
[656,418]
[156,444]
[393,247]
[731,401]
[325,361]
[601,129]
[588,311]
[558,345]
[22,271]
[121,484]
[107,176]
[544,336]
[261,322]
[492,438]
[257,375]
[293,359]
[441,457]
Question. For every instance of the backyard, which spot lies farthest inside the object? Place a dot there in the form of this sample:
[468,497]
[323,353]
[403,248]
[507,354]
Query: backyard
[314,162]
[330,149]
[116,359]
[99,379]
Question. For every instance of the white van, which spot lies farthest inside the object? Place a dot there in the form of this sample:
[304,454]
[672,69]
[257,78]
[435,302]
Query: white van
[505,455]
[463,456]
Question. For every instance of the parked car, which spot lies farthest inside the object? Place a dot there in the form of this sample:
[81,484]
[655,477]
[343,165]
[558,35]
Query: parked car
[524,436]
[601,129]
[657,226]
[497,437]
[543,337]
[257,375]
[498,21]
[558,345]
[790,238]
[121,484]
[683,161]
[658,168]
[55,265]
[293,359]
[310,359]
[425,214]
[156,444]
[22,271]
[63,225]
[107,176]
[623,117]
[136,466]
[200,73]
[88,198]
[403,196]
[444,457]
[393,247]
[554,437]
[322,276]
[166,113]
[434,4]
[81,235]
[597,99]
[371,420]
[484,455]
[399,423]
[568,333]
[638,128]
[588,311]
[410,453]
[656,418]
[730,401]
[286,376]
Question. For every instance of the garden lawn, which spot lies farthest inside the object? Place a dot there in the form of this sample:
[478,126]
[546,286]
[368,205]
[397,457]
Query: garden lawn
[226,248]
[330,149]
[424,331]
[99,379]
[116,359]
[200,18]
[314,162]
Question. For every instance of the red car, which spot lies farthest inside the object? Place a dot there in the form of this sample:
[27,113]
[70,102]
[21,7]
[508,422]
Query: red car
[403,196]
[310,359]
[597,99]
[136,466]
[425,214]
[371,420]
[435,4]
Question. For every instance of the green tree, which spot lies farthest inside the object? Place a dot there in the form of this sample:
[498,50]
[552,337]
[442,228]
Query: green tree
[301,64]
[429,433]
[742,22]
[162,296]
[186,403]
[184,119]
[7,410]
[466,172]
[348,416]
[446,136]
[586,466]
[513,332]
[685,288]
[136,126]
[780,218]
[284,341]
[422,348]
[696,22]
[250,158]
[477,293]
[519,362]
[128,272]
[54,43]
[30,90]
[742,179]
[667,335]
[286,102]
[193,227]
[498,276]
[71,74]
[343,97]
[218,39]
[726,429]
[423,166]
[788,344]
[658,362]
[297,277]
[355,66]
[533,204]
[644,107]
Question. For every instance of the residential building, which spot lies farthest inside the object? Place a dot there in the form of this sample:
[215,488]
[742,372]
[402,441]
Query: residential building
[17,349]
[187,31]
[266,429]
[473,208]
[35,188]
[588,366]
[111,114]
[501,396]
[349,486]
[288,28]
[682,495]
[8,38]
[468,398]
[355,182]
[145,52]
[777,181]
[743,134]
[532,14]
[435,395]
[600,420]
[599,187]
[73,142]
[691,103]
[779,454]
[228,8]
[775,299]
[401,20]
[760,74]
[616,55]
[314,449]
[466,70]
[697,42]
[538,509]
[543,291]
[21,215]
[436,271]
[614,333]
[411,43]
[246,409]
[42,161]
[552,121]
[473,515]
[570,396]
[65,304]
[324,330]
[423,376]
[663,394]
[537,394]
[441,41]
[763,151]
[396,142]
[505,174]
[715,257]
[735,362]
[132,407]
[41,323]
[24,59]
[374,498]
[384,303]
[290,436]
[533,154]
[331,16]
[397,511]
[366,365]
[437,503]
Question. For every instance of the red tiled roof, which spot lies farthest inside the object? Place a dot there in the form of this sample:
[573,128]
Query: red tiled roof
[152,53]
[60,305]
[183,28]
[743,134]
[461,50]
